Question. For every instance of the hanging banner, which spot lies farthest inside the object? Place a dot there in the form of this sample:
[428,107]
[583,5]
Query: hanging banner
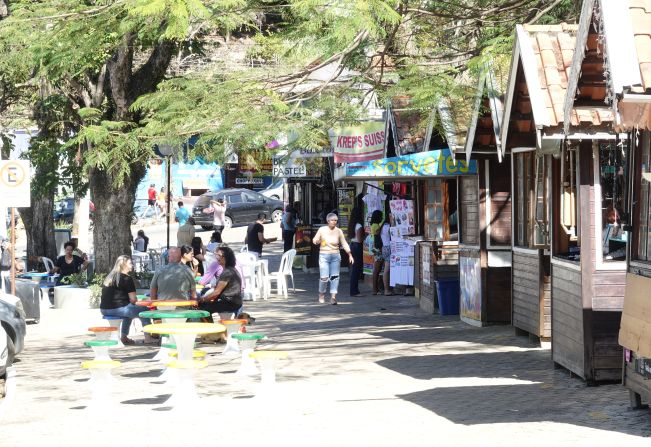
[374,200]
[345,202]
[358,143]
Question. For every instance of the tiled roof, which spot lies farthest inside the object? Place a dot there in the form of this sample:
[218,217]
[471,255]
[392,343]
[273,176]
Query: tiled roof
[553,48]
[640,12]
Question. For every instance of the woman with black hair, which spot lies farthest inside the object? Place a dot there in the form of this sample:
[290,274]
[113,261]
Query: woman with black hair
[199,252]
[187,259]
[69,263]
[356,237]
[227,295]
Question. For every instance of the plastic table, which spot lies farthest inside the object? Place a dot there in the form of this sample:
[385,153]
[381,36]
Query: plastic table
[185,393]
[168,317]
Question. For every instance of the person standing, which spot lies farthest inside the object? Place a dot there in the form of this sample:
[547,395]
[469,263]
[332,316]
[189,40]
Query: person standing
[255,236]
[119,298]
[141,241]
[288,225]
[161,201]
[331,240]
[199,252]
[356,237]
[219,217]
[69,264]
[182,214]
[185,233]
[173,281]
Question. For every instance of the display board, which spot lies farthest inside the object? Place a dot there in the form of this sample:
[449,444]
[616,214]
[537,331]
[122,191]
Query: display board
[470,283]
[402,259]
[345,203]
[303,237]
[374,200]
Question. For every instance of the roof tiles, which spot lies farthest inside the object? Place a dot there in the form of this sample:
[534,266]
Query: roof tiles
[640,12]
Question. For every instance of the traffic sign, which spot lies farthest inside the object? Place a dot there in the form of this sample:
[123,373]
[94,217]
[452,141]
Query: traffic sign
[15,183]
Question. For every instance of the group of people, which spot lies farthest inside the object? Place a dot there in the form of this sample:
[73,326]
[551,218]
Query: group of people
[331,240]
[174,281]
[156,200]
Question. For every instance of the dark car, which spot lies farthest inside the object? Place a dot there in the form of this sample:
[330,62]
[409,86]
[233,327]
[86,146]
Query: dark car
[64,210]
[12,322]
[242,207]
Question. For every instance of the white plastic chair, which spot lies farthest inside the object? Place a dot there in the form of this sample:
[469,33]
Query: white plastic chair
[47,262]
[247,263]
[284,270]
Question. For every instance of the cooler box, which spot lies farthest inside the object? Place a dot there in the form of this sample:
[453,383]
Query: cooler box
[447,292]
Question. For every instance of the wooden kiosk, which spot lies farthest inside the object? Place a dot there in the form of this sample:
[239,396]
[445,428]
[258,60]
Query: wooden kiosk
[589,270]
[485,214]
[533,119]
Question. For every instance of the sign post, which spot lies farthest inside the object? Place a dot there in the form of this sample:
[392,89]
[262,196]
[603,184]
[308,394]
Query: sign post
[14,189]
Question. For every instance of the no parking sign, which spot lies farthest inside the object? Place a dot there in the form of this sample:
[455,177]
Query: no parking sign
[14,183]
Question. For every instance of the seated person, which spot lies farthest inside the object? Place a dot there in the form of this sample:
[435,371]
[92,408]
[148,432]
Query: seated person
[227,295]
[119,298]
[213,272]
[69,264]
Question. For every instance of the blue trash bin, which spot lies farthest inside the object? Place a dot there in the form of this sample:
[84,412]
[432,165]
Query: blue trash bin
[447,291]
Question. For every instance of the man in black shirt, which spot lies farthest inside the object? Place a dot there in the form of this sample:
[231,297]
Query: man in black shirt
[255,236]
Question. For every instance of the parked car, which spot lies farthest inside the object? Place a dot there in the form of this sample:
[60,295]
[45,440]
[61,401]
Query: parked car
[276,190]
[243,206]
[12,321]
[64,210]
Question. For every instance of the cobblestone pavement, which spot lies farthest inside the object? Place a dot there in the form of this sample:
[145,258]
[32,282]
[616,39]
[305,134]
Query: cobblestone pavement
[370,371]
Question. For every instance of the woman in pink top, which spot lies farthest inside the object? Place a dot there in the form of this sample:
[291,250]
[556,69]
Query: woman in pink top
[331,239]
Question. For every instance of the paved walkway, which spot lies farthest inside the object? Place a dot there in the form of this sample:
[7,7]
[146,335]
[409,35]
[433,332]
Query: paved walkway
[372,371]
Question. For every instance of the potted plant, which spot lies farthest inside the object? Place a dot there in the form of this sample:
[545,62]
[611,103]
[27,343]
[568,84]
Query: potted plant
[73,294]
[143,277]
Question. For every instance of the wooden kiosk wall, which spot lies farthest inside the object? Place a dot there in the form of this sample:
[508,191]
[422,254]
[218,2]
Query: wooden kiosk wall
[586,302]
[475,246]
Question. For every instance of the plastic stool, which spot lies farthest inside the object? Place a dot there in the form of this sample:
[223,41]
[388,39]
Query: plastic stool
[103,332]
[267,360]
[185,393]
[101,382]
[115,322]
[232,327]
[101,348]
[247,344]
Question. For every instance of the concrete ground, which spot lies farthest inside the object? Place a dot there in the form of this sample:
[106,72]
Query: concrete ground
[372,371]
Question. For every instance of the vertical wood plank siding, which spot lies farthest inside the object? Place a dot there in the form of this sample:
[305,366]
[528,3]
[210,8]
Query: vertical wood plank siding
[469,204]
[526,292]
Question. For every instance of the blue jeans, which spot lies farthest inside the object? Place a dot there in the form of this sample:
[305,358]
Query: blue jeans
[329,264]
[356,269]
[128,313]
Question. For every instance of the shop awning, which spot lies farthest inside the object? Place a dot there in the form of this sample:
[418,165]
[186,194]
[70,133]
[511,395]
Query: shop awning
[195,183]
[439,163]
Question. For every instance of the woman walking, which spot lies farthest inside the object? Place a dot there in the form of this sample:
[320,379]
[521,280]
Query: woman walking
[381,248]
[288,225]
[356,236]
[331,239]
[119,298]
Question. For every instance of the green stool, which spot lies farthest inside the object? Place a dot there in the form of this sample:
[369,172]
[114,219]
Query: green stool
[247,342]
[101,348]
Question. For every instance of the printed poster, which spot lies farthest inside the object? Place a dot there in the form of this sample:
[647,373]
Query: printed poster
[374,200]
[345,203]
[470,283]
[303,240]
[403,216]
[402,259]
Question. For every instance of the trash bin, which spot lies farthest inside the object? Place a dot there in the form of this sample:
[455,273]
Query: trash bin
[447,292]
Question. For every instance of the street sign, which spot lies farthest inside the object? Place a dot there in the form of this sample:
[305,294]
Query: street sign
[288,167]
[14,183]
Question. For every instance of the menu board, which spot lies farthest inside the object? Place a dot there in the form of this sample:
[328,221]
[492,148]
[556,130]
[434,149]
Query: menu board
[403,216]
[345,203]
[303,239]
[402,259]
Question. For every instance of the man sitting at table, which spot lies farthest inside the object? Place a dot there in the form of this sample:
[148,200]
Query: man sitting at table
[227,296]
[174,281]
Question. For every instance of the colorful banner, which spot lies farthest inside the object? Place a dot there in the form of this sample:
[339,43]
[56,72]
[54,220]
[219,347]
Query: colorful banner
[345,203]
[470,278]
[304,240]
[372,201]
[432,163]
[358,143]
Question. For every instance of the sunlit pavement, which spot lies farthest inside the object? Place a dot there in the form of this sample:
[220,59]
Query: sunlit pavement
[372,371]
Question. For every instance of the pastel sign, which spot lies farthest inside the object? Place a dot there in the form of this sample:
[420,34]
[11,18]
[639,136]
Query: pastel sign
[439,162]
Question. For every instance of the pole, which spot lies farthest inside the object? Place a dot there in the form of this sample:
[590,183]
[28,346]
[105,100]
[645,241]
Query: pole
[13,250]
[168,198]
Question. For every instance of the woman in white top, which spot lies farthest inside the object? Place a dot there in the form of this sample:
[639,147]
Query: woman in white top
[218,210]
[356,236]
[331,239]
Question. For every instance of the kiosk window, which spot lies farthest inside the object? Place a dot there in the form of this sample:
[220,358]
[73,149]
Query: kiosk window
[644,228]
[612,164]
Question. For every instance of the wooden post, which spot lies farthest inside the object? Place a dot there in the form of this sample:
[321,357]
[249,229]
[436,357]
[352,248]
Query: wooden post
[13,250]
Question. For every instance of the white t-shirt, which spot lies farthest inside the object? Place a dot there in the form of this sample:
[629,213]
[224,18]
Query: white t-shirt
[218,215]
[385,234]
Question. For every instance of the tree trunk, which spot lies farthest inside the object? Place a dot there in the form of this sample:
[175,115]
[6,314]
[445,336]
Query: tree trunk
[39,227]
[113,207]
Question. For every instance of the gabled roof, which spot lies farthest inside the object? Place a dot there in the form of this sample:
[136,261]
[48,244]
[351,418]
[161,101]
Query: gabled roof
[488,113]
[544,53]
